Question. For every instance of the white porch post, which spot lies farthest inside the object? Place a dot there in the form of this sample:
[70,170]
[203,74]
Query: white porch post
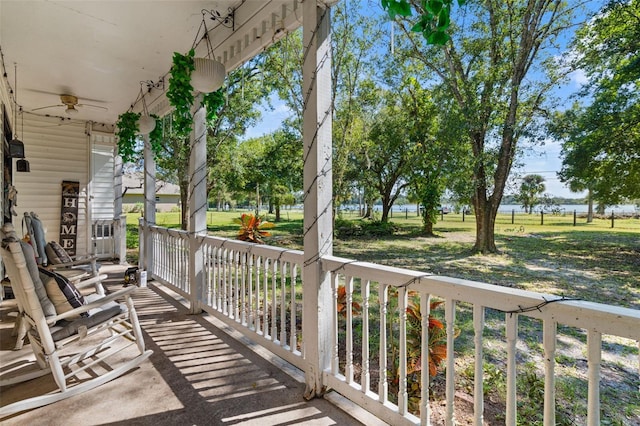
[146,252]
[120,220]
[197,207]
[318,224]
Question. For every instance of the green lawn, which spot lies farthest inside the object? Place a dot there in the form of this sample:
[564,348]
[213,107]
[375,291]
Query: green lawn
[588,261]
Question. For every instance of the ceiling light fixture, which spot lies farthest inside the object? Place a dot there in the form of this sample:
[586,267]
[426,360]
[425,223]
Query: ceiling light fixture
[16,146]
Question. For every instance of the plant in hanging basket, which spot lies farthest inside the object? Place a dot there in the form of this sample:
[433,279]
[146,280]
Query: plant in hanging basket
[180,93]
[213,102]
[127,130]
[155,136]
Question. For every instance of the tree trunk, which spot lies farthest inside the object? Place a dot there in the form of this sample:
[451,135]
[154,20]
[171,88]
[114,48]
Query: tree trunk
[385,212]
[590,207]
[184,211]
[427,229]
[277,212]
[485,224]
[418,208]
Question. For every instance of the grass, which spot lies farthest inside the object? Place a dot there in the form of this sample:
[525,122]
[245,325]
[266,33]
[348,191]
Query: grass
[588,261]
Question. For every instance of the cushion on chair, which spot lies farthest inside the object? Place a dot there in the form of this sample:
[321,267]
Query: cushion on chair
[57,254]
[47,307]
[68,328]
[64,295]
[38,235]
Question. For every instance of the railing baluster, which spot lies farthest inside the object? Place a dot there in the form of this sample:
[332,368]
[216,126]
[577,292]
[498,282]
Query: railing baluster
[383,386]
[283,303]
[478,391]
[365,377]
[265,299]
[349,331]
[512,336]
[425,311]
[237,281]
[256,301]
[250,291]
[450,318]
[294,308]
[402,375]
[243,287]
[594,354]
[549,343]
[335,361]
[274,300]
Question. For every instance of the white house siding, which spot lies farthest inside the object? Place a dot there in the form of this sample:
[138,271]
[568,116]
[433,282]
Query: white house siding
[101,186]
[57,150]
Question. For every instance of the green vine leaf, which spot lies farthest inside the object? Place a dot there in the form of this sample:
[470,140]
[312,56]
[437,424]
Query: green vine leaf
[213,102]
[127,126]
[155,137]
[180,93]
[434,16]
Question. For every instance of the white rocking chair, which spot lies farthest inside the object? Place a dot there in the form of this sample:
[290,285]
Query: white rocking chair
[71,350]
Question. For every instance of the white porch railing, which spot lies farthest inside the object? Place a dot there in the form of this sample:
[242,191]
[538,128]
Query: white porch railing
[108,238]
[257,289]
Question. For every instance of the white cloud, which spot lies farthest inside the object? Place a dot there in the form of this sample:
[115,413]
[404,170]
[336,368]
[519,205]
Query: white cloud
[578,78]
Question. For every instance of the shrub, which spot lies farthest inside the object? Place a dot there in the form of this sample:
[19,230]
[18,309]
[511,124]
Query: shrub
[252,228]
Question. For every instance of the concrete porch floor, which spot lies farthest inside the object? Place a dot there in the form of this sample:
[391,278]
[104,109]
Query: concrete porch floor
[201,373]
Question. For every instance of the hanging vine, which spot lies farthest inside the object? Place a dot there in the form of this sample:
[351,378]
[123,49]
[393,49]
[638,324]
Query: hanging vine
[127,125]
[155,137]
[213,102]
[180,93]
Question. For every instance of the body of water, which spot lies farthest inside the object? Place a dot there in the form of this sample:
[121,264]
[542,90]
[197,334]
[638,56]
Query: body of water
[507,208]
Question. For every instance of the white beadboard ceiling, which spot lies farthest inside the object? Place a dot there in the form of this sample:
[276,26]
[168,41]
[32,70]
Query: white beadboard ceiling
[100,50]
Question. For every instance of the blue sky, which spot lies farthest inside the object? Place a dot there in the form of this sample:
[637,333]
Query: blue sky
[543,160]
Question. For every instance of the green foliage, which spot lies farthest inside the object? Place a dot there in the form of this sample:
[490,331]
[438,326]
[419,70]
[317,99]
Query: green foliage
[213,102]
[601,137]
[252,228]
[180,93]
[363,228]
[155,137]
[531,188]
[437,348]
[127,132]
[434,16]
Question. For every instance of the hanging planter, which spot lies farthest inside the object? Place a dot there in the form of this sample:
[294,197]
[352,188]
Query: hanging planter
[208,75]
[146,124]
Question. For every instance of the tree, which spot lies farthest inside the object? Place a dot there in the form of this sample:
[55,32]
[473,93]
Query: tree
[385,157]
[485,68]
[531,188]
[243,91]
[601,141]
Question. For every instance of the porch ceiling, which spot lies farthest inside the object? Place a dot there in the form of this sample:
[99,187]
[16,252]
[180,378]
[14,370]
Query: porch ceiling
[100,50]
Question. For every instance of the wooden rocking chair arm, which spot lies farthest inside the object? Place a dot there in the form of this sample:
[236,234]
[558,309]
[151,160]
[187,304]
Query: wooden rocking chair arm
[95,304]
[77,262]
[90,281]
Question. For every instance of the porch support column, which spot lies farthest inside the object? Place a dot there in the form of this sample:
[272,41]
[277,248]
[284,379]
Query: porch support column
[197,207]
[146,253]
[318,223]
[119,220]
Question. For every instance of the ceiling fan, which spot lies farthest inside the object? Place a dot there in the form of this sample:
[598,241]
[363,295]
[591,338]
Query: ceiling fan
[70,102]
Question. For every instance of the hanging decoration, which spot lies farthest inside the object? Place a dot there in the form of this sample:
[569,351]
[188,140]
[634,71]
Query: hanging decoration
[127,130]
[146,123]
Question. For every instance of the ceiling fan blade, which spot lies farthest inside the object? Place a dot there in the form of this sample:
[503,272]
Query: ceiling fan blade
[49,106]
[93,107]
